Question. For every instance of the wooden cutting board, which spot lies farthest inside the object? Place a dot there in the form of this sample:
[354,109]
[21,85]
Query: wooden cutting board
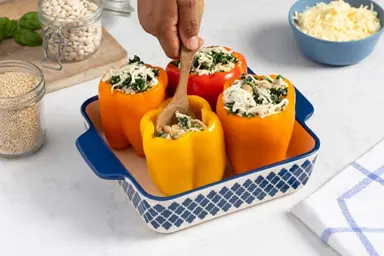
[111,53]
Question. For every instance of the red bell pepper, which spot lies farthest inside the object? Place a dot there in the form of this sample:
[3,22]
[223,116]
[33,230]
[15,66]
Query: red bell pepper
[210,86]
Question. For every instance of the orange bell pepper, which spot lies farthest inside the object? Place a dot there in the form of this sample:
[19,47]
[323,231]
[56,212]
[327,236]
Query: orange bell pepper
[121,113]
[193,160]
[254,142]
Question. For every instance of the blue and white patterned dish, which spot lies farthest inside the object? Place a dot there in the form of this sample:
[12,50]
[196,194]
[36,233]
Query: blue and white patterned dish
[174,213]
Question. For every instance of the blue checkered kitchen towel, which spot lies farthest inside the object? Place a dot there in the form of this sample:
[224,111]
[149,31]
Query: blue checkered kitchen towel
[348,212]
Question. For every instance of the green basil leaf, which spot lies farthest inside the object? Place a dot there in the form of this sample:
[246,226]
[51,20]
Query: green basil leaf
[10,28]
[3,21]
[27,37]
[30,20]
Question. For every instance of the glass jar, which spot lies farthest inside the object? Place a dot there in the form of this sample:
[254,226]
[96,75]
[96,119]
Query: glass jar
[22,126]
[120,7]
[72,29]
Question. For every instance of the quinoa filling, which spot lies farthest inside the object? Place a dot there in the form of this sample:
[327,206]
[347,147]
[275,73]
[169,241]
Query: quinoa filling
[184,125]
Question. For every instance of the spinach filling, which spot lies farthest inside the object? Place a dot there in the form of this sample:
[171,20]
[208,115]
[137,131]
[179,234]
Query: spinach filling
[277,95]
[175,63]
[141,82]
[217,58]
[229,105]
[184,124]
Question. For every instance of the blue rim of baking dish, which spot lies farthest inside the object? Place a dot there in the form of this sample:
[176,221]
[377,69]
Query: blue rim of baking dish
[104,158]
[293,26]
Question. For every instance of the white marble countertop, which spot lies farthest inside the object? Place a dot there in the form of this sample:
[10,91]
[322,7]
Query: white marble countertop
[52,204]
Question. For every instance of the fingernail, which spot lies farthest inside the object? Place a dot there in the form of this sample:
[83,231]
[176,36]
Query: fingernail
[193,43]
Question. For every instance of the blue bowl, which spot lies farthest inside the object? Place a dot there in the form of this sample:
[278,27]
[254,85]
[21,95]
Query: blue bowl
[335,53]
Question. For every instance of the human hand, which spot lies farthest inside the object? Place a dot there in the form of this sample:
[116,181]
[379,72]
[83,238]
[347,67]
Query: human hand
[172,22]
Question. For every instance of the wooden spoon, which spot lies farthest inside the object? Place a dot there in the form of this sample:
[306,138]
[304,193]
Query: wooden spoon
[179,101]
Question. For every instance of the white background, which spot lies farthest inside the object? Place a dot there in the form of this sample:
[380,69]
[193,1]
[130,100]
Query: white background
[52,204]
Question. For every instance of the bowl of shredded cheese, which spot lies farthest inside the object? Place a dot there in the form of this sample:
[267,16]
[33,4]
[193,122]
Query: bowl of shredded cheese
[336,32]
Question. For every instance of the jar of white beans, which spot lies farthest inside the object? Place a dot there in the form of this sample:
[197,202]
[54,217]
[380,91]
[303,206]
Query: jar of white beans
[72,28]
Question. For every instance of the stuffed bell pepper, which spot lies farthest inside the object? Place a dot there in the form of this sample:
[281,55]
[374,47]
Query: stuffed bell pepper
[125,95]
[258,115]
[212,67]
[185,155]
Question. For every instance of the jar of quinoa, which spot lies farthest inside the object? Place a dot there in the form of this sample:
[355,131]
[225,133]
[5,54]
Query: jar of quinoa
[22,128]
[72,28]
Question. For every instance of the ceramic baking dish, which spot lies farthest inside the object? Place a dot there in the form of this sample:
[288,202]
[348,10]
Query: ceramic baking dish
[167,214]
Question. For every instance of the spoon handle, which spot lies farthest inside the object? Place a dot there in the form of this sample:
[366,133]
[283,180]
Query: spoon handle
[186,56]
[179,101]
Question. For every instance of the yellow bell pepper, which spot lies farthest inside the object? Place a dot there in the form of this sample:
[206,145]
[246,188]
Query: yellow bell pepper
[191,161]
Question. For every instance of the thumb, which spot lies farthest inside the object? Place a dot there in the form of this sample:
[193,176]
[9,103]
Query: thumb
[188,25]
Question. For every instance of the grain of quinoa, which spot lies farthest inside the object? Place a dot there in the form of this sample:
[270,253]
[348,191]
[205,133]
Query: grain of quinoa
[20,123]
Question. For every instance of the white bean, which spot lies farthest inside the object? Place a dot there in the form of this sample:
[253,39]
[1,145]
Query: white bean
[50,18]
[92,7]
[73,38]
[90,49]
[75,9]
[56,23]
[67,8]
[89,41]
[82,39]
[56,9]
[68,58]
[48,12]
[68,2]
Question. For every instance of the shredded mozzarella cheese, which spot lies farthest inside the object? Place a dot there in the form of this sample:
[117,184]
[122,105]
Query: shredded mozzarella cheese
[134,70]
[205,57]
[185,124]
[338,21]
[244,103]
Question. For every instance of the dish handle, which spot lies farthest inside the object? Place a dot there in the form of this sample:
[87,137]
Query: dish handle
[304,108]
[99,157]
